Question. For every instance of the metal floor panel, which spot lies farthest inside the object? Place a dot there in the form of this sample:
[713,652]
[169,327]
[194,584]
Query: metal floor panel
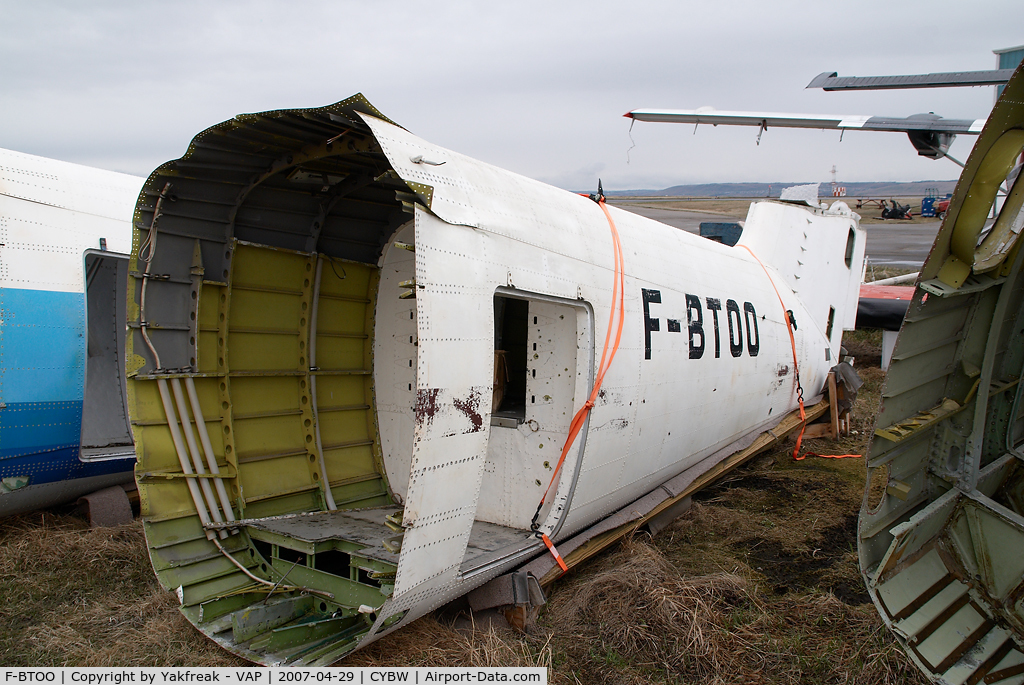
[367,527]
[362,527]
[489,542]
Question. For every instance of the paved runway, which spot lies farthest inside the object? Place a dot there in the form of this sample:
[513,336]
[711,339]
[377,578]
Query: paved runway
[891,244]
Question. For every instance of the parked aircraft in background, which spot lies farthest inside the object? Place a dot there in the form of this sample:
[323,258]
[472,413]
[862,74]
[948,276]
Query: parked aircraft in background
[930,134]
[65,235]
[376,373]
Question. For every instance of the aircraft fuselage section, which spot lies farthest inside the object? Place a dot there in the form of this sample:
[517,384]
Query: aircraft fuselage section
[385,367]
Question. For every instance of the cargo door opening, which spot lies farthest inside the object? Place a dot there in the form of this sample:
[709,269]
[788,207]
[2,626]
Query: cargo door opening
[106,433]
[543,346]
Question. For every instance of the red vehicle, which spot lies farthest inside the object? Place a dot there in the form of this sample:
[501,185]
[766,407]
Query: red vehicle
[941,207]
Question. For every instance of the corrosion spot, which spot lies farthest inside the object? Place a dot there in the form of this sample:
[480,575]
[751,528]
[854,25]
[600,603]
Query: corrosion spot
[471,408]
[783,370]
[426,404]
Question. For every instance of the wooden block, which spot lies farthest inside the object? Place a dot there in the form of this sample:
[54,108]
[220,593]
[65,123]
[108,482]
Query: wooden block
[833,404]
[818,430]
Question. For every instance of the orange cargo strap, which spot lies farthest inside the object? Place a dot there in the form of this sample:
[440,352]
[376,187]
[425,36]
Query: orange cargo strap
[828,456]
[554,552]
[796,373]
[611,346]
[792,342]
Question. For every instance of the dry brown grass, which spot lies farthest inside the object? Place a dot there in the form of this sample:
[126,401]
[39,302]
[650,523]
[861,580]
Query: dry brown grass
[80,597]
[730,208]
[637,618]
[757,583]
[430,642]
[639,607]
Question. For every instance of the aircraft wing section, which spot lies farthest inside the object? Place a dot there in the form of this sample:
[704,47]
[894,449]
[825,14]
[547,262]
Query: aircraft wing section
[830,80]
[708,115]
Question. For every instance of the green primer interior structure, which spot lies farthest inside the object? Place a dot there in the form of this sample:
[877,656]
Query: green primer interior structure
[941,536]
[261,211]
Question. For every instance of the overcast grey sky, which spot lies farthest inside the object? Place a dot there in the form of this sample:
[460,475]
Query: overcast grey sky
[536,87]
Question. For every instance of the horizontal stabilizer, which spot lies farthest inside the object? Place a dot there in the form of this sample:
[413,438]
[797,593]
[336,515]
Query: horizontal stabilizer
[830,80]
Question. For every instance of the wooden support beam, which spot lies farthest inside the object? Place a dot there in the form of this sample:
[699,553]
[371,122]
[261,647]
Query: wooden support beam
[833,404]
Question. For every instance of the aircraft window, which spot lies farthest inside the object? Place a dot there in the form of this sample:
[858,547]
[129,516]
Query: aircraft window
[831,320]
[511,322]
[849,248]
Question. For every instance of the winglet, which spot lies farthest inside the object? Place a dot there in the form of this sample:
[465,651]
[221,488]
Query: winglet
[821,79]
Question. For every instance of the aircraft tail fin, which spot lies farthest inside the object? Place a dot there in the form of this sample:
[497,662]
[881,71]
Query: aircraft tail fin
[818,253]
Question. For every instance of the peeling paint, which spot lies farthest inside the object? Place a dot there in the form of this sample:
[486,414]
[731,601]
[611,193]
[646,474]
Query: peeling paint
[426,404]
[614,424]
[471,408]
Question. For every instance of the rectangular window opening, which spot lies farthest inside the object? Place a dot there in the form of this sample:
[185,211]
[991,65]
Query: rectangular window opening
[511,323]
[831,320]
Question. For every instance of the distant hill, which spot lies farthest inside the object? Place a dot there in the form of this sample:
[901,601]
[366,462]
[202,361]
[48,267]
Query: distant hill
[881,189]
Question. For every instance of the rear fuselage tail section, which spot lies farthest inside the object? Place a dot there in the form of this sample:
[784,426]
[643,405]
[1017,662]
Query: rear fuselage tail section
[818,254]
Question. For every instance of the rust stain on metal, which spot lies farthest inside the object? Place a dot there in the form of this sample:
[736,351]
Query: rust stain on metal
[783,370]
[426,404]
[471,408]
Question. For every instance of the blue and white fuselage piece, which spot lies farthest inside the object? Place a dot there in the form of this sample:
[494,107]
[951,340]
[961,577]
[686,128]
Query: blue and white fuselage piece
[52,216]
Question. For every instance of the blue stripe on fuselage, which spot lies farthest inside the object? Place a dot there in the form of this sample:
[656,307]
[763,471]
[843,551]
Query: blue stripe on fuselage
[42,346]
[41,440]
[28,428]
[42,378]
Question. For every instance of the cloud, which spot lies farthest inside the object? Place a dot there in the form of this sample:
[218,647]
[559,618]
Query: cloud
[536,87]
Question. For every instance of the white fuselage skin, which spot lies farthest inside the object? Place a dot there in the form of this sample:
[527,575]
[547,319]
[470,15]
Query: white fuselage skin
[705,357]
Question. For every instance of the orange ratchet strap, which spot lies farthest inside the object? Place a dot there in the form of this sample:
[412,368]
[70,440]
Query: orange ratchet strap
[796,373]
[554,552]
[792,342]
[611,346]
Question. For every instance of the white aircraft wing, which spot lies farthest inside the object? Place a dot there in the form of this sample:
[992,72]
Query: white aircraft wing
[709,115]
[930,134]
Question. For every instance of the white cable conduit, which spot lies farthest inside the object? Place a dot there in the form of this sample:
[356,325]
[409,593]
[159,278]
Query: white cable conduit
[274,586]
[148,246]
[186,467]
[328,495]
[211,458]
[193,450]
